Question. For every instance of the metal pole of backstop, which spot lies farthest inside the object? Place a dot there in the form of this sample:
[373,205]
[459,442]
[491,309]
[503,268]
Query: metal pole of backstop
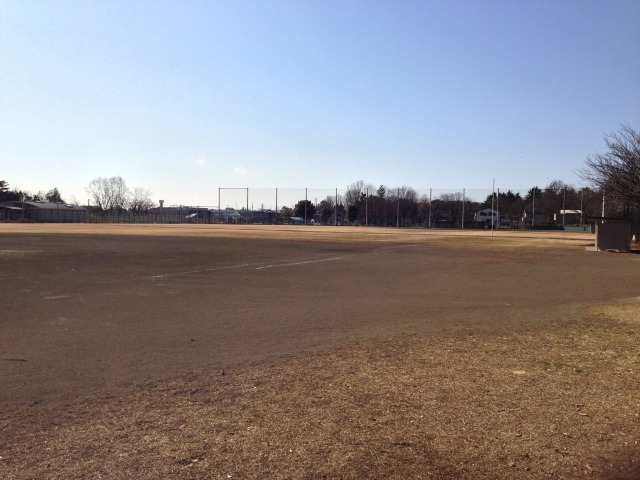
[430,208]
[493,194]
[533,208]
[305,205]
[564,206]
[463,194]
[366,209]
[581,205]
[498,209]
[398,210]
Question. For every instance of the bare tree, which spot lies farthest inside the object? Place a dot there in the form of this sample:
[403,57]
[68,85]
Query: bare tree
[140,200]
[449,207]
[354,192]
[553,198]
[109,193]
[408,193]
[617,172]
[402,204]
[354,197]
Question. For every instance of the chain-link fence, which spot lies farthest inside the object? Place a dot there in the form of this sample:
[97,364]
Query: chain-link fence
[407,207]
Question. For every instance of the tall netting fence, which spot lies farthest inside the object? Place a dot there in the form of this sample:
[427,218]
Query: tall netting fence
[497,207]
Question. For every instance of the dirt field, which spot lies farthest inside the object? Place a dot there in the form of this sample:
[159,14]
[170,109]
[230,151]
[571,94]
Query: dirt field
[312,352]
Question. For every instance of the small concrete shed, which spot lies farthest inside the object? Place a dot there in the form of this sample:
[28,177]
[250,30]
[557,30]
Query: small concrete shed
[613,235]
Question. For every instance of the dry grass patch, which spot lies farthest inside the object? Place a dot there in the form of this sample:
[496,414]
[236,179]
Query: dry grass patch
[559,403]
[626,312]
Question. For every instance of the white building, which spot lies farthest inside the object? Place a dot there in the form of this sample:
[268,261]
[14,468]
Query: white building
[486,216]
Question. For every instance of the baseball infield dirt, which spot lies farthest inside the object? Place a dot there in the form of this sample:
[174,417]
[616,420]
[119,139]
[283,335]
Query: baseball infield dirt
[312,352]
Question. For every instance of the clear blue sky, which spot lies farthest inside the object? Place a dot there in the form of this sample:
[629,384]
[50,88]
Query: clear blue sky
[184,97]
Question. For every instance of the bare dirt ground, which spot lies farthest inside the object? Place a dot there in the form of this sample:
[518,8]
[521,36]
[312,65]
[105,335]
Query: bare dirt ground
[292,352]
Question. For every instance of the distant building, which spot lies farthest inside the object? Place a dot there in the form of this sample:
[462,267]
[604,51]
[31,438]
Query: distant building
[229,214]
[529,219]
[568,217]
[181,214]
[486,216]
[46,212]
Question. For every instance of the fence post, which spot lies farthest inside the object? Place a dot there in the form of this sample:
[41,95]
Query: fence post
[533,208]
[366,209]
[493,195]
[463,197]
[430,207]
[398,210]
[498,208]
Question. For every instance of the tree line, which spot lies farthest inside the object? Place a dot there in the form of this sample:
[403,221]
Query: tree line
[613,190]
[613,176]
[106,194]
[363,204]
[7,195]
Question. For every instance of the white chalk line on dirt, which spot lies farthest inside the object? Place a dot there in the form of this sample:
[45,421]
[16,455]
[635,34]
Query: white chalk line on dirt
[18,252]
[303,262]
[231,267]
[320,260]
[245,265]
[262,266]
[395,247]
